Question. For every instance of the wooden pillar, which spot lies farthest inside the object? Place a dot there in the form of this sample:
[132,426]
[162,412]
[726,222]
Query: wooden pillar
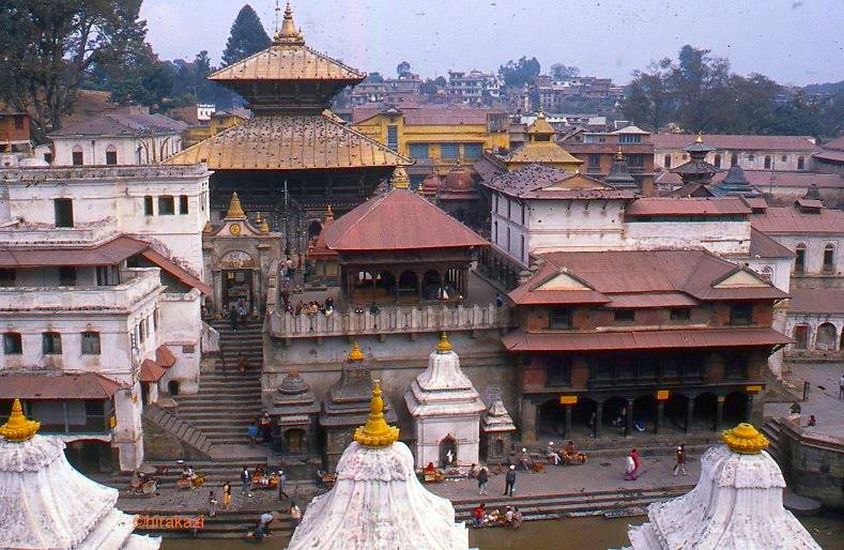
[599,419]
[395,287]
[568,420]
[419,288]
[374,276]
[660,411]
[748,411]
[719,412]
[690,412]
[628,428]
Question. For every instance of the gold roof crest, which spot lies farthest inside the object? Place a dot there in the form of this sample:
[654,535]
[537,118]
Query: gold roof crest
[356,354]
[376,432]
[18,428]
[745,439]
[235,209]
[288,35]
[444,346]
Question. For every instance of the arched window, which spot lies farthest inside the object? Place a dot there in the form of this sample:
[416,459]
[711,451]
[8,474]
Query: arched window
[800,259]
[667,161]
[767,162]
[783,158]
[767,273]
[733,159]
[801,336]
[827,337]
[801,163]
[111,155]
[829,258]
[717,162]
[751,158]
[78,158]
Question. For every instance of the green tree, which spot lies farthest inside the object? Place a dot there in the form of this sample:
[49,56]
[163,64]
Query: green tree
[563,72]
[247,36]
[649,100]
[374,77]
[403,68]
[143,79]
[517,73]
[699,81]
[49,45]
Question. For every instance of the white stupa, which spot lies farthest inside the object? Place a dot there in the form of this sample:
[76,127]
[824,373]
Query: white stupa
[377,502]
[447,410]
[46,503]
[736,505]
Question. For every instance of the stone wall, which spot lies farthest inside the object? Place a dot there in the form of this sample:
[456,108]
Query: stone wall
[159,444]
[813,464]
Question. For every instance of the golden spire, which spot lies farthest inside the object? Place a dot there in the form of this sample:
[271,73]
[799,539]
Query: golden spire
[745,439]
[699,138]
[618,154]
[208,227]
[400,179]
[19,428]
[444,346]
[264,227]
[235,209]
[288,34]
[356,354]
[329,214]
[376,432]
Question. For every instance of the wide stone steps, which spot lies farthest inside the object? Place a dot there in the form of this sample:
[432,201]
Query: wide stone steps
[179,427]
[772,430]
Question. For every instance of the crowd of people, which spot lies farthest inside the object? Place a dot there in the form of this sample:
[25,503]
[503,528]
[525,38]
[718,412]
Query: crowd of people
[510,517]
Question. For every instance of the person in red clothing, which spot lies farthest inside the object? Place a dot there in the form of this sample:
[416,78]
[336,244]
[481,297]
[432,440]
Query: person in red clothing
[681,461]
[480,514]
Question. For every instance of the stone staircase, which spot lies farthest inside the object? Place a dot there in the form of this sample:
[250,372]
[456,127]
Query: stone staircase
[228,400]
[773,431]
[178,426]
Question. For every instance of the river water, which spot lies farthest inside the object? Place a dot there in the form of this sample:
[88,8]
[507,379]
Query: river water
[585,533]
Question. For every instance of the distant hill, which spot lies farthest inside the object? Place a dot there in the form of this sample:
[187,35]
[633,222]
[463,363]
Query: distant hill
[831,88]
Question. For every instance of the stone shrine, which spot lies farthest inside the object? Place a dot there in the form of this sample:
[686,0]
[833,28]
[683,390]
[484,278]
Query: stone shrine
[346,405]
[497,429]
[45,503]
[447,410]
[296,411]
[736,505]
[377,502]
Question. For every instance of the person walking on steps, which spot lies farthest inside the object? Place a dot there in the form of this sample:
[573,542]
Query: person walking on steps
[212,505]
[483,479]
[680,454]
[282,481]
[227,496]
[841,387]
[233,317]
[246,482]
[510,481]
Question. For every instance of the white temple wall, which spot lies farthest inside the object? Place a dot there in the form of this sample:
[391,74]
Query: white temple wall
[720,237]
[432,430]
[180,325]
[128,432]
[129,150]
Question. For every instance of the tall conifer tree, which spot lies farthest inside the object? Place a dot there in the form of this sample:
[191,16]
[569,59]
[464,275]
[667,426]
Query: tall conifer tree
[247,36]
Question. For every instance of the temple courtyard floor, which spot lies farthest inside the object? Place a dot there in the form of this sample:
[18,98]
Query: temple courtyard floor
[823,401]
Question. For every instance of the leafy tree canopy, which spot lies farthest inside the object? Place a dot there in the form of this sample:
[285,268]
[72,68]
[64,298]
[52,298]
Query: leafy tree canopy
[403,69]
[517,73]
[247,36]
[562,72]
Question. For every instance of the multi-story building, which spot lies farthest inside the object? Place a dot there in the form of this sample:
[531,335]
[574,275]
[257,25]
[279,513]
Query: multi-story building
[102,298]
[679,343]
[771,153]
[436,137]
[473,87]
[14,133]
[581,94]
[131,136]
[598,151]
[830,158]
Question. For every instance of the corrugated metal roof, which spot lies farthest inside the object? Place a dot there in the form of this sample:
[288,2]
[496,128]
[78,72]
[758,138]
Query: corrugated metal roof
[542,152]
[288,62]
[398,220]
[722,141]
[289,142]
[785,220]
[817,300]
[177,271]
[108,253]
[122,124]
[519,341]
[86,385]
[537,181]
[688,206]
[151,371]
[763,246]
[164,356]
[766,180]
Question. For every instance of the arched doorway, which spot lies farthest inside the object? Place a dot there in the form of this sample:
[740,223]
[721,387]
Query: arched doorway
[408,284]
[236,267]
[173,387]
[644,414]
[552,419]
[735,408]
[295,441]
[448,451]
[704,412]
[615,414]
[431,282]
[385,286]
[826,338]
[676,412]
[583,417]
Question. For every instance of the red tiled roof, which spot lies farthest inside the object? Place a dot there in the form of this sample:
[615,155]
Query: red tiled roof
[518,341]
[784,220]
[176,271]
[652,300]
[86,385]
[525,296]
[398,220]
[763,246]
[766,180]
[151,371]
[830,155]
[108,253]
[164,357]
[817,300]
[723,141]
[692,206]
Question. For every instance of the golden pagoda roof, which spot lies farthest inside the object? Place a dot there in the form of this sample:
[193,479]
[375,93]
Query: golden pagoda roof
[542,152]
[541,126]
[235,211]
[745,439]
[288,58]
[376,432]
[289,142]
[18,428]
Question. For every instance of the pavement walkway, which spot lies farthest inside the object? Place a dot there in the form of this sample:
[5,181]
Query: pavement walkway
[823,401]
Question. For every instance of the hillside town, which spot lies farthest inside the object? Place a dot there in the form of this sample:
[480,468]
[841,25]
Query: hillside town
[316,306]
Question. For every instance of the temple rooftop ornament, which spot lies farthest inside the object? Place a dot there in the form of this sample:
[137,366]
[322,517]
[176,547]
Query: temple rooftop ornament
[355,354]
[288,34]
[235,211]
[45,503]
[444,346]
[400,179]
[697,170]
[736,505]
[376,432]
[377,502]
[619,176]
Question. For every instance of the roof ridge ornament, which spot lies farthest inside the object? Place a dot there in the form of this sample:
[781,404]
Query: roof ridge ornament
[235,208]
[356,354]
[745,439]
[288,35]
[376,432]
[19,428]
[400,179]
[444,346]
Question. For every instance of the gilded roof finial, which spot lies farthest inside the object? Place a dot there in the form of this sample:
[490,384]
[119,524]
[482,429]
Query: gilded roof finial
[208,227]
[619,155]
[745,439]
[329,213]
[699,138]
[400,179]
[235,209]
[288,34]
[444,346]
[376,432]
[264,227]
[356,354]
[18,428]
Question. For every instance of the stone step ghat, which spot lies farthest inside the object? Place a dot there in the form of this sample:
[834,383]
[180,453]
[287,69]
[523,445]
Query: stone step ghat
[180,428]
[773,432]
[225,525]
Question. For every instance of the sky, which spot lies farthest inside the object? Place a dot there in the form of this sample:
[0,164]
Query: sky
[793,42]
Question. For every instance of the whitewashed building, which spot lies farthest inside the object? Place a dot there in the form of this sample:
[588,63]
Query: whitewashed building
[770,153]
[130,136]
[100,303]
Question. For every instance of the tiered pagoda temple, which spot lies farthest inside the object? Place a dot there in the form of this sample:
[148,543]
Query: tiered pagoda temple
[542,149]
[697,170]
[294,157]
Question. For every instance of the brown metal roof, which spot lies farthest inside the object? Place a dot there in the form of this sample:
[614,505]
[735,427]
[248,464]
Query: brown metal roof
[763,246]
[398,220]
[722,141]
[86,385]
[108,253]
[288,62]
[691,206]
[519,341]
[830,155]
[766,180]
[652,300]
[817,300]
[151,371]
[542,152]
[122,124]
[289,142]
[537,181]
[177,271]
[164,357]
[785,220]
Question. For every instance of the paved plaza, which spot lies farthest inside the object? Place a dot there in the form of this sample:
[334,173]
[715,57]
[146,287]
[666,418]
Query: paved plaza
[823,401]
